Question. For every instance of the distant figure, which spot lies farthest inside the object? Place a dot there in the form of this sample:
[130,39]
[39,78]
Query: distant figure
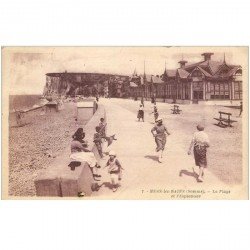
[155,112]
[114,169]
[142,102]
[18,118]
[200,142]
[97,98]
[241,108]
[140,114]
[80,153]
[159,132]
[153,99]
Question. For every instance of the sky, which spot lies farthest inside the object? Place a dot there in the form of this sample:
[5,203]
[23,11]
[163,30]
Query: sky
[26,66]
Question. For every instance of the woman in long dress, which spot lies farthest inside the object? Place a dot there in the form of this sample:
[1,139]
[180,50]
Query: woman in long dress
[159,132]
[200,143]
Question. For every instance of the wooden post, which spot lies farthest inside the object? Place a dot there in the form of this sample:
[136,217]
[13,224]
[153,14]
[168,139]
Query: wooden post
[204,90]
[232,90]
[191,91]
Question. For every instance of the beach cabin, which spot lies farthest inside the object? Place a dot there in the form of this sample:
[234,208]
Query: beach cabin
[85,111]
[52,106]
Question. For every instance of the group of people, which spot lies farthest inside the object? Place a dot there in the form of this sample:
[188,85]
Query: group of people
[80,152]
[199,143]
[140,114]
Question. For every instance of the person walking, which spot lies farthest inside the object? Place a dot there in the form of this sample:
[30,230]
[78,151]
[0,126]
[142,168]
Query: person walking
[155,112]
[241,108]
[200,143]
[140,113]
[142,102]
[159,132]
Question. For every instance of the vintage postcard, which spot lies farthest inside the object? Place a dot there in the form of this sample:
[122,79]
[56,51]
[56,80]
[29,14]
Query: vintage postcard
[125,123]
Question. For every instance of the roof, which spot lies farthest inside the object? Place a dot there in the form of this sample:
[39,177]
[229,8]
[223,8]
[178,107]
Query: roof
[133,85]
[204,71]
[190,67]
[183,73]
[156,79]
[170,72]
[57,74]
[148,77]
[233,71]
[214,66]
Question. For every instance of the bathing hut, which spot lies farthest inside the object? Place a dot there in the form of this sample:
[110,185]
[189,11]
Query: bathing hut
[52,106]
[85,111]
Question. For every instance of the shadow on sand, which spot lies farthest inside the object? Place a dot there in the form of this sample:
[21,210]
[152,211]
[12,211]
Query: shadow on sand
[152,157]
[189,173]
[107,185]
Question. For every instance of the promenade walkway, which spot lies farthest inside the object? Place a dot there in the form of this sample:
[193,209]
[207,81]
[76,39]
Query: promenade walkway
[144,177]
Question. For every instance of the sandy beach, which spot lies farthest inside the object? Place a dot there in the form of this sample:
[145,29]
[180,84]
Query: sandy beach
[34,146]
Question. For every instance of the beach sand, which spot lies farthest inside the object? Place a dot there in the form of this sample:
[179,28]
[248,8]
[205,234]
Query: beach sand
[34,146]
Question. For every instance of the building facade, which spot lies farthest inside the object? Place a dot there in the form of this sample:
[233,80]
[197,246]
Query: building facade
[206,81]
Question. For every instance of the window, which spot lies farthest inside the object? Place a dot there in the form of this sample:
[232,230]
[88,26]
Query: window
[219,90]
[238,90]
[238,72]
[186,91]
[196,73]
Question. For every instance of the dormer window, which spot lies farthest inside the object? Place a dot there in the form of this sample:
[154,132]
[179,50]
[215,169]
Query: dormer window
[238,72]
[196,73]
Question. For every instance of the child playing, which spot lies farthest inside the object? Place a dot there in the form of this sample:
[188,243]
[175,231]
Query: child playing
[114,169]
[108,139]
[98,141]
[102,126]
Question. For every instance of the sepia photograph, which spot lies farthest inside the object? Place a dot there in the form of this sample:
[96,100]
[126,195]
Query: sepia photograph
[125,123]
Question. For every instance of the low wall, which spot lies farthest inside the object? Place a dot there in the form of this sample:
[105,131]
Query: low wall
[59,180]
[221,102]
[202,102]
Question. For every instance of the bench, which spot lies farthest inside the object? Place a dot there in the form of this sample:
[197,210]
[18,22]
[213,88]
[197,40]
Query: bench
[176,110]
[224,122]
[61,180]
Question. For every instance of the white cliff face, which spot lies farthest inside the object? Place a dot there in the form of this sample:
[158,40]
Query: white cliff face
[62,84]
